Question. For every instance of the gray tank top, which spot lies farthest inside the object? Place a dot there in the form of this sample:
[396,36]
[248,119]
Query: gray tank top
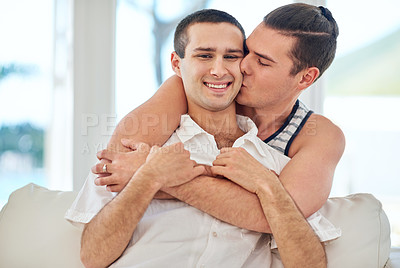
[282,139]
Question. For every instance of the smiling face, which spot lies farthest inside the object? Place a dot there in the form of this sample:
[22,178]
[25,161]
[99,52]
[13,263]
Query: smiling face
[210,70]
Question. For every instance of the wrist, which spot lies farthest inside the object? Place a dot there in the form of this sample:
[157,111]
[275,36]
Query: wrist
[145,175]
[267,187]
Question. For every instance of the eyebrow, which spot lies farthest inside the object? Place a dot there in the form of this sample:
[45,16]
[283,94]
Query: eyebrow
[209,49]
[265,57]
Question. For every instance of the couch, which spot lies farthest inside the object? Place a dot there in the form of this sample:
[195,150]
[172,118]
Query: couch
[33,232]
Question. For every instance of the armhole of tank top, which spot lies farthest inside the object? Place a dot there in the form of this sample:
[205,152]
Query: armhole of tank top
[303,122]
[292,113]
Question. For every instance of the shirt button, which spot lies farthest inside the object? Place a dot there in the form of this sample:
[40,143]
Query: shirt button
[215,234]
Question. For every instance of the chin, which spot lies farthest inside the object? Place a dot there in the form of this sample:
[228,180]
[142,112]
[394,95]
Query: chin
[218,107]
[239,99]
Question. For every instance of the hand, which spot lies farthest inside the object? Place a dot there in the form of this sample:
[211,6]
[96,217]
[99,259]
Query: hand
[237,165]
[171,165]
[120,166]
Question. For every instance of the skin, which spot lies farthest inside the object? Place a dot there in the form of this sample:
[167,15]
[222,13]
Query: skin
[269,91]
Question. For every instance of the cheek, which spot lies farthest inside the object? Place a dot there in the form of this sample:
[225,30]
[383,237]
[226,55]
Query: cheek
[235,70]
[199,71]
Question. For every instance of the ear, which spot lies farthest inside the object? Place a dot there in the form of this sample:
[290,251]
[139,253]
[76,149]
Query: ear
[176,63]
[308,77]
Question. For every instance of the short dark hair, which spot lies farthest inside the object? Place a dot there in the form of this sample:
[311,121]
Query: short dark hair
[315,31]
[181,38]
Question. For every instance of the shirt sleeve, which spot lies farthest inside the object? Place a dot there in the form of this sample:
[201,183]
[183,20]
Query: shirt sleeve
[91,198]
[89,201]
[322,227]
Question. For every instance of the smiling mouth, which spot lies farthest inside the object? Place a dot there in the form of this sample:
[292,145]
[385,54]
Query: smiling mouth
[217,87]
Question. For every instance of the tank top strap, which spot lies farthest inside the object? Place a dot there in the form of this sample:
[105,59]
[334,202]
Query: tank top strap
[282,139]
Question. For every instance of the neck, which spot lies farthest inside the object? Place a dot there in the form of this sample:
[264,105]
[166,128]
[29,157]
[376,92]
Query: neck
[221,124]
[269,119]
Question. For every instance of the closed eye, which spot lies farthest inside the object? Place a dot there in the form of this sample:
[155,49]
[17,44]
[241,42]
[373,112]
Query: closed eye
[262,64]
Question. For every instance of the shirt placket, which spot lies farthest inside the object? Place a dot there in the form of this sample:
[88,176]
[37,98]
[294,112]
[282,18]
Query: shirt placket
[205,259]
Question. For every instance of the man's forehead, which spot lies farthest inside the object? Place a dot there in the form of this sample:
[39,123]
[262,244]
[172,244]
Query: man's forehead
[265,40]
[211,28]
[206,36]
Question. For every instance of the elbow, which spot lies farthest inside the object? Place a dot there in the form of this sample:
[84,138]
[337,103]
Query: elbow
[321,260]
[86,261]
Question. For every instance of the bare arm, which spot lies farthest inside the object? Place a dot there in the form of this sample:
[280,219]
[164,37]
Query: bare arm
[151,123]
[307,177]
[298,245]
[315,154]
[297,242]
[154,121]
[106,236]
[224,200]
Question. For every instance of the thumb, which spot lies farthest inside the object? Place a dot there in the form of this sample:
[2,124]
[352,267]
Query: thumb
[198,170]
[154,149]
[218,170]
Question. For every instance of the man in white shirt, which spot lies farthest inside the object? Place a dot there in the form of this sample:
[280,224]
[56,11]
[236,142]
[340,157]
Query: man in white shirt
[168,232]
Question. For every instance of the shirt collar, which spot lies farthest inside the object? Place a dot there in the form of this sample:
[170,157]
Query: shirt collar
[189,129]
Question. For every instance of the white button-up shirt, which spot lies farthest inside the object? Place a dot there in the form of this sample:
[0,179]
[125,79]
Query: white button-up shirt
[174,234]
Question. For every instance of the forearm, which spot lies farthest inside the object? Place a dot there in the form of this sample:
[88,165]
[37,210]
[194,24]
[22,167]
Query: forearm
[224,200]
[297,243]
[106,236]
[154,121]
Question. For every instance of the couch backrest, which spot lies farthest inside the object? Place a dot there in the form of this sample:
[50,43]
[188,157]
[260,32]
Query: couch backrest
[33,232]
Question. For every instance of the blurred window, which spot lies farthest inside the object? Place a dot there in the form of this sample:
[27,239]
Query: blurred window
[363,98]
[25,91]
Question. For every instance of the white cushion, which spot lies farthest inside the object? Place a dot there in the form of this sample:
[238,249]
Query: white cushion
[365,240]
[34,233]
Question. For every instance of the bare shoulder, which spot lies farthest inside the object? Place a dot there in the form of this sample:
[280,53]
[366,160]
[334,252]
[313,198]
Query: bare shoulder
[319,133]
[318,125]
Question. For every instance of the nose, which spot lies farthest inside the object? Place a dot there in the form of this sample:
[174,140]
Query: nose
[244,65]
[218,68]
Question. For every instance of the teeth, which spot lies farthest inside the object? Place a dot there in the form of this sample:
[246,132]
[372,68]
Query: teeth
[216,86]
